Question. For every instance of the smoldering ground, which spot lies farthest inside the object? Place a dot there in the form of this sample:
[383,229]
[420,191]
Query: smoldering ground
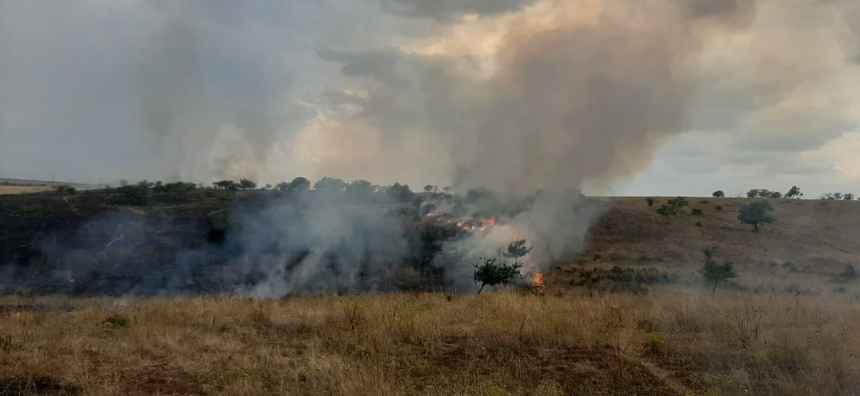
[273,244]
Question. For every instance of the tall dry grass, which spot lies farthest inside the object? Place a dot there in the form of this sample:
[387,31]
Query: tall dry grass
[664,343]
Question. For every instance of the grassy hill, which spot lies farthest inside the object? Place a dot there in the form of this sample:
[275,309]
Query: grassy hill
[21,186]
[630,316]
[811,242]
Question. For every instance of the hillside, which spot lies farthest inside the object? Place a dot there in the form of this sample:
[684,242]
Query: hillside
[20,186]
[811,241]
[629,316]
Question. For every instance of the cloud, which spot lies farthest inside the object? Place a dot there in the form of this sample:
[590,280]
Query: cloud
[452,10]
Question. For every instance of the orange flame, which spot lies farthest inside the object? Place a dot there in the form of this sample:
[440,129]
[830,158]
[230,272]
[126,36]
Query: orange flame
[539,283]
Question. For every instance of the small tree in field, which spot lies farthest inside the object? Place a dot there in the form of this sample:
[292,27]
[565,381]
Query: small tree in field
[756,213]
[495,272]
[719,194]
[649,201]
[714,272]
[428,188]
[492,273]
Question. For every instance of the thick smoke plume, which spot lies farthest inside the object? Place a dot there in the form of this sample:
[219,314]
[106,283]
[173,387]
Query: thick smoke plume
[584,92]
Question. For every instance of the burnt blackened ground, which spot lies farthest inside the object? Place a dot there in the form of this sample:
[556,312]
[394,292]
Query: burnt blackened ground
[104,243]
[99,241]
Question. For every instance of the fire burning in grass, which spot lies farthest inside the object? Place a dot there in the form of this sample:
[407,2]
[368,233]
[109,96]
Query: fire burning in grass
[539,282]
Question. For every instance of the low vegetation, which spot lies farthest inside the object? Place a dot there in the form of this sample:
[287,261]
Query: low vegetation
[430,344]
[637,312]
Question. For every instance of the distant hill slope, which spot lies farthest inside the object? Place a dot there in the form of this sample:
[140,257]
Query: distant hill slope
[810,242]
[23,186]
[809,245]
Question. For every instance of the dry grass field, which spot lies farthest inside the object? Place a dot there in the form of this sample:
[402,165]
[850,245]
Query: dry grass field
[430,344]
[18,186]
[23,189]
[786,326]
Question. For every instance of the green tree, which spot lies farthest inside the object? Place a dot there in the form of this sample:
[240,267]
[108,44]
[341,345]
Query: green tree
[360,188]
[299,184]
[756,213]
[848,197]
[400,192]
[715,272]
[497,271]
[225,185]
[329,184]
[247,184]
[492,273]
[718,194]
[794,192]
[428,188]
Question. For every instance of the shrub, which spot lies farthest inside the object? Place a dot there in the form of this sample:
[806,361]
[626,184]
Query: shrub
[114,321]
[134,191]
[6,343]
[65,190]
[718,207]
[650,202]
[697,212]
[673,207]
[178,187]
[654,346]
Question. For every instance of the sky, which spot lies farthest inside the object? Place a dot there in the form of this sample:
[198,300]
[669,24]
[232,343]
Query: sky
[658,97]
